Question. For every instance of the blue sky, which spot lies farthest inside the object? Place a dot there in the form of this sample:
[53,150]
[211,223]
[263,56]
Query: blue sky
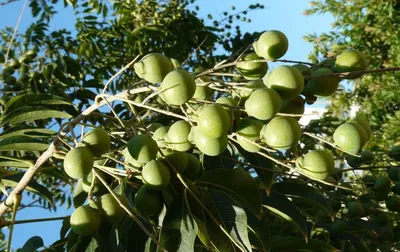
[283,15]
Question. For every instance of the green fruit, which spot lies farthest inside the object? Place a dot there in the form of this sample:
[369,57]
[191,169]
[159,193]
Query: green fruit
[382,185]
[339,227]
[263,104]
[154,126]
[366,157]
[395,153]
[322,87]
[355,209]
[213,121]
[203,92]
[210,146]
[288,81]
[350,136]
[142,148]
[329,62]
[193,167]
[381,219]
[366,126]
[252,70]
[130,160]
[98,140]
[153,67]
[317,164]
[393,203]
[177,87]
[98,186]
[250,87]
[148,203]
[234,113]
[8,71]
[155,175]
[369,181]
[282,133]
[15,64]
[349,61]
[84,221]
[249,128]
[271,45]
[160,133]
[110,209]
[305,70]
[295,107]
[78,162]
[178,159]
[10,80]
[396,188]
[178,136]
[175,63]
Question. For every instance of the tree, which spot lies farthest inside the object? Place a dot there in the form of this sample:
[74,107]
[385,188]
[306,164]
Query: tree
[169,152]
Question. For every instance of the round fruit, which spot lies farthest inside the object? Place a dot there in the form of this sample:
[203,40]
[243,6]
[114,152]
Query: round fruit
[213,120]
[317,164]
[235,113]
[250,87]
[340,226]
[322,87]
[177,87]
[395,153]
[148,203]
[349,61]
[155,175]
[271,45]
[153,67]
[366,157]
[382,184]
[252,70]
[263,104]
[355,209]
[178,159]
[202,92]
[282,133]
[110,209]
[15,64]
[249,128]
[160,133]
[369,181]
[350,136]
[305,70]
[154,126]
[130,160]
[98,140]
[295,106]
[78,162]
[143,148]
[393,203]
[365,124]
[178,136]
[210,146]
[84,221]
[382,219]
[98,186]
[193,167]
[288,81]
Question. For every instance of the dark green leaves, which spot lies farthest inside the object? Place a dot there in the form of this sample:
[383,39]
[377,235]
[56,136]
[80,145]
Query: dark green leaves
[291,244]
[179,229]
[32,244]
[237,182]
[18,143]
[80,195]
[33,99]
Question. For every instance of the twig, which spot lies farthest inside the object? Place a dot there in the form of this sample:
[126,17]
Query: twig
[346,74]
[6,223]
[329,143]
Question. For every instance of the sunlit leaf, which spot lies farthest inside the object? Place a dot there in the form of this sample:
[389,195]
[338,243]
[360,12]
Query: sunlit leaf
[29,114]
[16,143]
[20,101]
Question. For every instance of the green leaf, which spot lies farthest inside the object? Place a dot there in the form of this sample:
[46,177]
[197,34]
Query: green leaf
[306,193]
[33,186]
[179,229]
[228,180]
[80,195]
[32,244]
[3,187]
[18,143]
[280,205]
[15,162]
[65,227]
[29,114]
[139,243]
[259,232]
[31,132]
[287,244]
[93,246]
[20,101]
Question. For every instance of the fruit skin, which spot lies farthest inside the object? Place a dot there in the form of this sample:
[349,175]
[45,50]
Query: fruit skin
[317,164]
[85,221]
[109,208]
[177,87]
[98,186]
[178,136]
[193,167]
[263,104]
[369,181]
[272,44]
[252,70]
[78,162]
[366,157]
[233,113]
[202,92]
[129,159]
[178,159]
[395,153]
[322,87]
[142,148]
[350,136]
[98,140]
[148,203]
[350,60]
[282,133]
[305,70]
[210,146]
[288,81]
[213,120]
[252,85]
[393,203]
[355,209]
[381,188]
[295,106]
[155,175]
[366,126]
[153,67]
[249,128]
